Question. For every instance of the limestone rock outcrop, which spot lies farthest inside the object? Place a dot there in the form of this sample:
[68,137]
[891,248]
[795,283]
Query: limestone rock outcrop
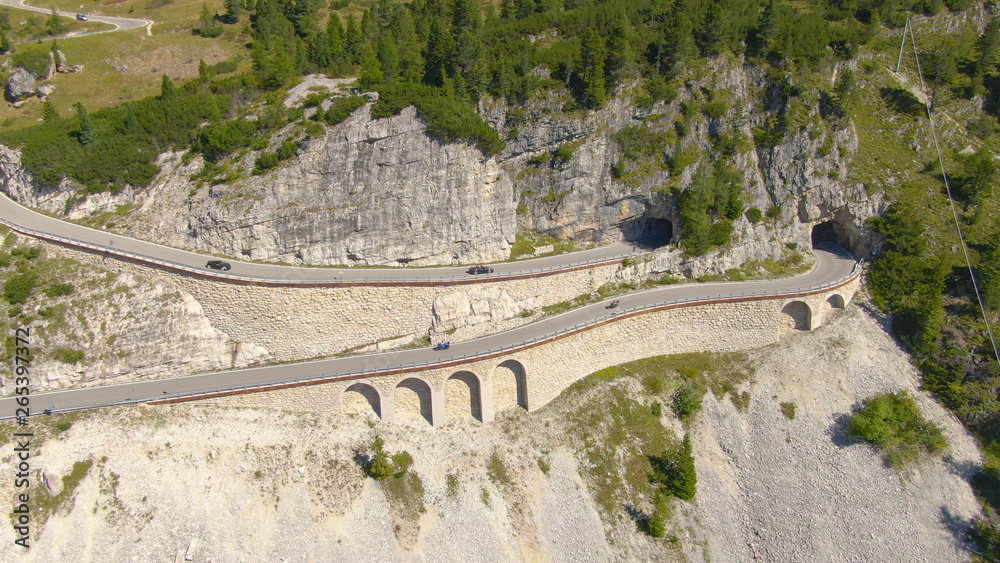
[20,85]
[384,192]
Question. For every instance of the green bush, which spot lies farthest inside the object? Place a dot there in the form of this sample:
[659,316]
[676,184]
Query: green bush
[754,215]
[788,409]
[342,108]
[641,142]
[687,400]
[402,461]
[446,118]
[33,59]
[59,289]
[218,140]
[378,466]
[564,153]
[27,253]
[893,422]
[18,288]
[267,161]
[674,471]
[67,355]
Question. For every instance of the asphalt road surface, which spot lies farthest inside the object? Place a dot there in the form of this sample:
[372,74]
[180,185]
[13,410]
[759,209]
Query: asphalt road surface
[832,265]
[119,23]
[24,218]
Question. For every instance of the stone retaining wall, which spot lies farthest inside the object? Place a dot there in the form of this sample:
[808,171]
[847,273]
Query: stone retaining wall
[532,377]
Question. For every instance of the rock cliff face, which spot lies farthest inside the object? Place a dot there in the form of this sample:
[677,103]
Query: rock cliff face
[384,192]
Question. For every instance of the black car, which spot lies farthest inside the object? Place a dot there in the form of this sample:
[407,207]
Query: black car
[480,270]
[219,265]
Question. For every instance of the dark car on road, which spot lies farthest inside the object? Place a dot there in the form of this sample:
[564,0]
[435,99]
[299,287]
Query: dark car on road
[82,17]
[219,265]
[475,270]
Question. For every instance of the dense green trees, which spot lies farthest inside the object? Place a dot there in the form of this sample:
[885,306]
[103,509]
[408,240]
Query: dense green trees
[709,206]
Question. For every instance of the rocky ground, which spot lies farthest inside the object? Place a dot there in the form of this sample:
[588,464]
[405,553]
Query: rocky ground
[226,484]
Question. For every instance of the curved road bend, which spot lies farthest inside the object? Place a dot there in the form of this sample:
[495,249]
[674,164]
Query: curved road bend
[26,218]
[832,265]
[119,23]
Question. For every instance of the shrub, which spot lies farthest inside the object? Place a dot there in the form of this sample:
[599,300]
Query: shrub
[27,253]
[34,60]
[893,422]
[18,288]
[674,471]
[446,117]
[267,161]
[342,108]
[788,409]
[754,215]
[59,289]
[773,212]
[687,401]
[378,466]
[67,355]
[223,67]
[641,142]
[403,460]
[564,153]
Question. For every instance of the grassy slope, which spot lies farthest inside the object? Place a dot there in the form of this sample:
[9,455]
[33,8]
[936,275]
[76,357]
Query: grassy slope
[172,49]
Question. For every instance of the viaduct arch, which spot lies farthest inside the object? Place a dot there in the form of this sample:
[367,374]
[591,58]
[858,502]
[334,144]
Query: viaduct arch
[529,377]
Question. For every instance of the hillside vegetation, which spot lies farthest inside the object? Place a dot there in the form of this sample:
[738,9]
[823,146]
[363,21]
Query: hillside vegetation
[444,57]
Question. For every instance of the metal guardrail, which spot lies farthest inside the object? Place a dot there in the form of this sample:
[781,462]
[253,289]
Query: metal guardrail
[440,362]
[298,280]
[468,358]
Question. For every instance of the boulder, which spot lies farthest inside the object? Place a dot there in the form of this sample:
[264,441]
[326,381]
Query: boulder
[53,481]
[44,90]
[20,85]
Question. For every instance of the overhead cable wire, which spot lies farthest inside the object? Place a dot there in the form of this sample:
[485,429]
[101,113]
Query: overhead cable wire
[951,200]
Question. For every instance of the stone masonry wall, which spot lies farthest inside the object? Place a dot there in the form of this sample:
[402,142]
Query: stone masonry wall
[299,323]
[550,368]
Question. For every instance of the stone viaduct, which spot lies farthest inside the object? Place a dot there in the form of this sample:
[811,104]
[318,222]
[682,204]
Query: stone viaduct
[533,375]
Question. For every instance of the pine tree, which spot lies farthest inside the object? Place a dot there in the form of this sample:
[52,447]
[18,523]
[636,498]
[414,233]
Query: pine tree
[685,479]
[204,72]
[620,64]
[55,24]
[353,43]
[717,31]
[593,53]
[508,9]
[168,92]
[5,44]
[440,46]
[335,38]
[86,133]
[49,112]
[131,121]
[388,57]
[371,70]
[234,9]
[378,467]
[411,63]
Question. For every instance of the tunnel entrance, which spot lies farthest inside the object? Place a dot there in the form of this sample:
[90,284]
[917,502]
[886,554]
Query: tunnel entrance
[648,231]
[835,231]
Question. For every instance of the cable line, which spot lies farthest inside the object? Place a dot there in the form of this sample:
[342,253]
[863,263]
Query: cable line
[947,185]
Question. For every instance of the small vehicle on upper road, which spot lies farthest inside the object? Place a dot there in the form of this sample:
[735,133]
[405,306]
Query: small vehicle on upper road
[82,17]
[476,270]
[443,346]
[219,265]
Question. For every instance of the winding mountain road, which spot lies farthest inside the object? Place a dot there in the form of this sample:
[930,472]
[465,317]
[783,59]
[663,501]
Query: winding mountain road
[119,23]
[833,266]
[32,223]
